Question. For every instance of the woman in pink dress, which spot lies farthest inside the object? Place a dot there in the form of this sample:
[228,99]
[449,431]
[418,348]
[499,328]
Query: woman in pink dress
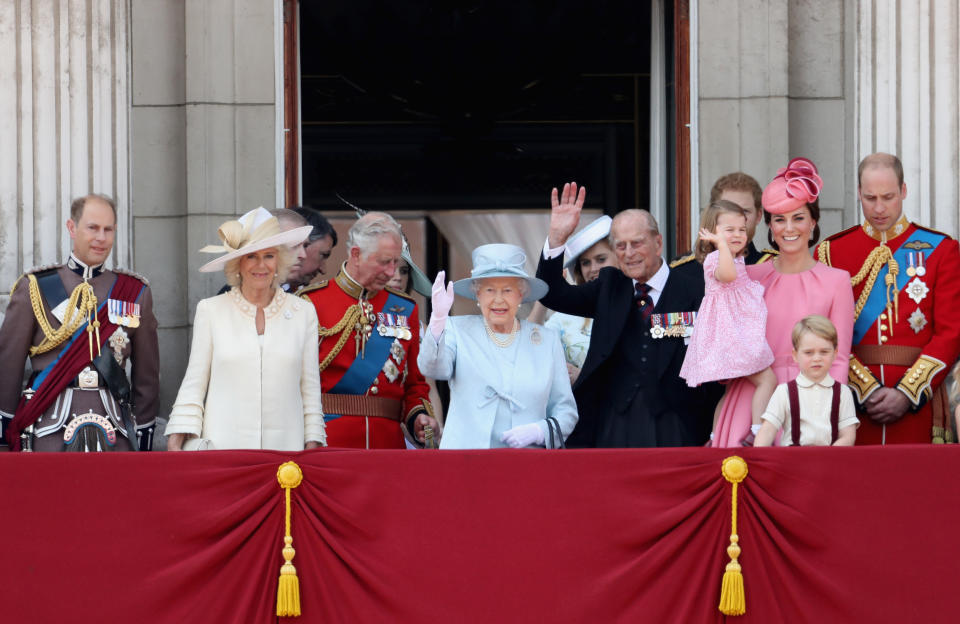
[729,339]
[795,286]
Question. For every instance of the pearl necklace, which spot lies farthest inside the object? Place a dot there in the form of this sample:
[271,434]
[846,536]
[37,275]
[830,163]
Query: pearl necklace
[502,342]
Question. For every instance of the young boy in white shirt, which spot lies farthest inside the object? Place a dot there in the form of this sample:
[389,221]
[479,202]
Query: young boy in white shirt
[821,408]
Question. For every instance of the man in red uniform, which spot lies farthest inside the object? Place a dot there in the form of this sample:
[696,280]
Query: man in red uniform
[373,391]
[906,336]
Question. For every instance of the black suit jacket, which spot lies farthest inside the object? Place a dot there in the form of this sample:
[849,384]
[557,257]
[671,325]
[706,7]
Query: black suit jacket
[609,301]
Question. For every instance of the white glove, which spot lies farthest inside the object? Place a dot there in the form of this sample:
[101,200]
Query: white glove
[754,429]
[523,435]
[442,300]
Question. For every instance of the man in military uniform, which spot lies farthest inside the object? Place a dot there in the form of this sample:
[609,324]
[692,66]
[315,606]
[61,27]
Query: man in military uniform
[373,391]
[744,191]
[318,247]
[907,330]
[80,324]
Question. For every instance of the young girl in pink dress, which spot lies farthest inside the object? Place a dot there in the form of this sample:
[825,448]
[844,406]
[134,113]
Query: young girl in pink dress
[729,338]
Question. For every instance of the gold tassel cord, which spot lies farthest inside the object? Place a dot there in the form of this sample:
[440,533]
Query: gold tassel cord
[82,306]
[289,476]
[732,597]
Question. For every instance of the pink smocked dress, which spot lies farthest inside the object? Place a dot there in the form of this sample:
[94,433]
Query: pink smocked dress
[790,297]
[729,338]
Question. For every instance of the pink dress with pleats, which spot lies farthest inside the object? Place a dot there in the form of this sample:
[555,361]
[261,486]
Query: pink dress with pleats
[729,337]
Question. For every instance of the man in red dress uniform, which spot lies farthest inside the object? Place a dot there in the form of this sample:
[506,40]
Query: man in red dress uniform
[906,336]
[373,391]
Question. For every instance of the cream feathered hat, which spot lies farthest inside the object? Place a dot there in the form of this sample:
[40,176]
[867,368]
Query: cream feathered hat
[255,230]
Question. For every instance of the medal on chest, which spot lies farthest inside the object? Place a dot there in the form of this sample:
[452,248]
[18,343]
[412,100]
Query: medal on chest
[393,326]
[672,324]
[123,313]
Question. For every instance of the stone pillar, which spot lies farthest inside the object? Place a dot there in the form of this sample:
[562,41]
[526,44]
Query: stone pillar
[908,99]
[774,83]
[742,85]
[204,143]
[64,120]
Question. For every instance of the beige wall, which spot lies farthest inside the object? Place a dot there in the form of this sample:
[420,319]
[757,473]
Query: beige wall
[774,82]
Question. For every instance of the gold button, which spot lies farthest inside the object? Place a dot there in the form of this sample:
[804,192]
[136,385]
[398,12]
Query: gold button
[883,327]
[883,338]
[883,316]
[374,390]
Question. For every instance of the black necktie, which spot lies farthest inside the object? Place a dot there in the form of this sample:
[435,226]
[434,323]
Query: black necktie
[644,301]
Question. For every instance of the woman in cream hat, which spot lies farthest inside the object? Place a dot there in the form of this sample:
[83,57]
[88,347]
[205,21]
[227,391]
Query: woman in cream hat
[508,378]
[253,377]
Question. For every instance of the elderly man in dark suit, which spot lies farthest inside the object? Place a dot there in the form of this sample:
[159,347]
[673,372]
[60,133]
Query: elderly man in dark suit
[629,393]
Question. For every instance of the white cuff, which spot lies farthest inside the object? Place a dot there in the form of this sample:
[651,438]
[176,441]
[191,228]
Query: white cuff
[550,254]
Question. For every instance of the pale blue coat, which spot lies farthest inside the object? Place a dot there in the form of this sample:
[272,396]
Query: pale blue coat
[493,389]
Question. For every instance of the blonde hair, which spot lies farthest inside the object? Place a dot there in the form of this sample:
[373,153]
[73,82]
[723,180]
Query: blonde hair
[286,258]
[708,221]
[816,325]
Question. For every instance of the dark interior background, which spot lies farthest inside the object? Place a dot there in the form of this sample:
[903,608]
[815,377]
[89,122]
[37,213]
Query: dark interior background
[483,104]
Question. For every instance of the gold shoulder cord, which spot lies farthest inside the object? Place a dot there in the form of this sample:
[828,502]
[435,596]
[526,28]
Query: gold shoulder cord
[81,306]
[350,319]
[871,268]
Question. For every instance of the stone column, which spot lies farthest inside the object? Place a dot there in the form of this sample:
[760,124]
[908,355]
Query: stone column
[64,120]
[204,142]
[908,99]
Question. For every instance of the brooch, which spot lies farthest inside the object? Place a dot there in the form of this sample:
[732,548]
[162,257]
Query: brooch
[118,342]
[917,321]
[917,290]
[535,336]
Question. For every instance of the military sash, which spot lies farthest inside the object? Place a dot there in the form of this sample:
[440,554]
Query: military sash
[51,381]
[876,303]
[364,370]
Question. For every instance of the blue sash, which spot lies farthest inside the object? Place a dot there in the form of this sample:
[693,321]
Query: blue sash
[877,301]
[365,369]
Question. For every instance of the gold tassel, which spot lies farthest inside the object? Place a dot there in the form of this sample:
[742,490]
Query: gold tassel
[288,591]
[732,598]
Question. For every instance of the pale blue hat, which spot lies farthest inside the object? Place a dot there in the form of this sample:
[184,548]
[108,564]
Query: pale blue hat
[500,260]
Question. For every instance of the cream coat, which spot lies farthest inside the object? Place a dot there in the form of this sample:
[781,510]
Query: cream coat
[241,395]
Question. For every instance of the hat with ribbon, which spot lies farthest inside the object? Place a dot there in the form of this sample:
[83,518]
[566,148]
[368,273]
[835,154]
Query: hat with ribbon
[500,260]
[255,230]
[794,186]
[586,238]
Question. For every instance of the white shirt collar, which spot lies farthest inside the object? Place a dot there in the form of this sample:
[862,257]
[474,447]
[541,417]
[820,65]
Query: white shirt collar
[658,281]
[805,382]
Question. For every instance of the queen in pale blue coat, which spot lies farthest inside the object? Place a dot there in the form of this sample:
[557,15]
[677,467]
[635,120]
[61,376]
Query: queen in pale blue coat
[507,376]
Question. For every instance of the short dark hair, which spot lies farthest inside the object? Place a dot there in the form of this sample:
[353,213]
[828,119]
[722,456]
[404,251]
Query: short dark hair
[321,227]
[77,205]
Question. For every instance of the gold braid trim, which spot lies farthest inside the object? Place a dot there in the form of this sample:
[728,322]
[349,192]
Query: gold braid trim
[81,306]
[871,267]
[349,320]
[823,253]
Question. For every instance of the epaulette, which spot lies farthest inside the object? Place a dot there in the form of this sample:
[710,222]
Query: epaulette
[767,254]
[932,231]
[399,293]
[309,288]
[145,281]
[842,233]
[35,270]
[682,260]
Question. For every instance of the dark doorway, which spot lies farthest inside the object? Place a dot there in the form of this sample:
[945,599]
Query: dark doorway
[483,104]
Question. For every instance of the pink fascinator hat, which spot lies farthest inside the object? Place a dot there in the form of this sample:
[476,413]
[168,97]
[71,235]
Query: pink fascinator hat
[794,186]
